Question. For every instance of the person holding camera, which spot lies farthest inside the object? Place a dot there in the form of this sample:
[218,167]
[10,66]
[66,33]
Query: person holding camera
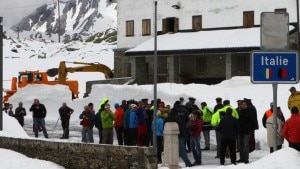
[20,112]
[87,122]
[107,117]
[38,113]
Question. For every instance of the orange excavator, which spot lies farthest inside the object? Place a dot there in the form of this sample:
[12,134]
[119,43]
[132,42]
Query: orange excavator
[36,77]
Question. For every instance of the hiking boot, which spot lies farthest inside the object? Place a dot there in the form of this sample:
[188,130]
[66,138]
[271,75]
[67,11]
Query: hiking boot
[197,163]
[240,161]
[205,149]
[190,165]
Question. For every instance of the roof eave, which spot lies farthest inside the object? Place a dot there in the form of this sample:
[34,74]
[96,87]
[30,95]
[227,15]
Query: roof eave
[193,51]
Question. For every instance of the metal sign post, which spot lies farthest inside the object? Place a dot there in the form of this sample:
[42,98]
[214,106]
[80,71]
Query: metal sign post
[1,74]
[155,76]
[275,64]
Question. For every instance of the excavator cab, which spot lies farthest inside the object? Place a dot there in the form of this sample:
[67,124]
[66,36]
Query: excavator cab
[27,76]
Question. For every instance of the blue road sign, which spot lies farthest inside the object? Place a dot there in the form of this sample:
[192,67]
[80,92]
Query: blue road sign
[274,67]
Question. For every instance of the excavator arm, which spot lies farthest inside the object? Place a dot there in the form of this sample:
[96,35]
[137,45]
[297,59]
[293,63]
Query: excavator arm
[63,70]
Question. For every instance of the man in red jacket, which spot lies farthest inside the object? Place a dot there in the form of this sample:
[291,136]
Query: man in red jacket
[291,129]
[119,122]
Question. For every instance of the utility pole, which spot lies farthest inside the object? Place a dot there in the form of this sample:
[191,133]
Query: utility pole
[58,31]
[155,76]
[1,74]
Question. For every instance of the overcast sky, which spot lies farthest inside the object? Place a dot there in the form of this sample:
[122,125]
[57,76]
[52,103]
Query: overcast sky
[13,11]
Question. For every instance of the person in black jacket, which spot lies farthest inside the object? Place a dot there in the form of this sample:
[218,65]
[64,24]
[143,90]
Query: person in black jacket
[254,124]
[20,112]
[228,128]
[183,114]
[38,113]
[65,114]
[246,127]
[173,117]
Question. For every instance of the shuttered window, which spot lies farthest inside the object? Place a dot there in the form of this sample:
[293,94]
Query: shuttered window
[146,27]
[197,23]
[170,25]
[130,28]
[281,10]
[248,19]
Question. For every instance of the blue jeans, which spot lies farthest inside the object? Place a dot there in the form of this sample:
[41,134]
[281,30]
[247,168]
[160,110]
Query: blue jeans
[37,123]
[182,152]
[196,149]
[87,135]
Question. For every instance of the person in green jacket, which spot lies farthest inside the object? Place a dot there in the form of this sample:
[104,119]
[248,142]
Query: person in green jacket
[107,118]
[207,115]
[216,119]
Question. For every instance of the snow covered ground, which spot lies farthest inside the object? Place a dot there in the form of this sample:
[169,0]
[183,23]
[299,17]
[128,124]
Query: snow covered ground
[53,96]
[233,89]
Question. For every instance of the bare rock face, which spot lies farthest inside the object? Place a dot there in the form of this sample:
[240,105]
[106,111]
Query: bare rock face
[77,16]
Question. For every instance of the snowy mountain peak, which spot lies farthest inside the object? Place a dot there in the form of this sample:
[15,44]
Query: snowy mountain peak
[83,17]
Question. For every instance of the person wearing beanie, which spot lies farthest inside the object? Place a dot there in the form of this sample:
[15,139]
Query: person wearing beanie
[159,134]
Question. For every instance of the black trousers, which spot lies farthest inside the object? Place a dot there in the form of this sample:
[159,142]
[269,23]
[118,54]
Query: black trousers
[65,125]
[159,148]
[232,147]
[100,132]
[133,136]
[295,146]
[21,122]
[126,136]
[120,131]
[278,148]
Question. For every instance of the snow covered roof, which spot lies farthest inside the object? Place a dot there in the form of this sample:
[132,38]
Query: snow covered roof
[202,41]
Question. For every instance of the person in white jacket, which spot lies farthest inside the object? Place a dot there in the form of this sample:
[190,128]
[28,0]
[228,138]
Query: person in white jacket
[270,131]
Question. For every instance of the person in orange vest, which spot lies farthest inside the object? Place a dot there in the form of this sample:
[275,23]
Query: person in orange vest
[269,113]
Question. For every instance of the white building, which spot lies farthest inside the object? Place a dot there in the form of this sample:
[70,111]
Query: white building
[202,41]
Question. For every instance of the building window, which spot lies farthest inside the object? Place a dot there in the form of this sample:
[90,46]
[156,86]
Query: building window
[280,10]
[130,28]
[201,64]
[170,25]
[242,62]
[197,23]
[146,27]
[248,19]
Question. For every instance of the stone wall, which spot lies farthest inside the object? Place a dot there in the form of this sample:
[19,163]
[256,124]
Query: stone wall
[84,156]
[122,64]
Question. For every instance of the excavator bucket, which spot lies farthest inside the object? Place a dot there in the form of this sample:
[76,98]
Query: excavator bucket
[52,72]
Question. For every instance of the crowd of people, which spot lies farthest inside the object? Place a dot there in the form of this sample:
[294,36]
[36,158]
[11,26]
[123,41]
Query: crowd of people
[133,124]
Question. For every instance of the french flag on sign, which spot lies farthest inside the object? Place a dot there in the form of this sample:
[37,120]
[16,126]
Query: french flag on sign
[268,73]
